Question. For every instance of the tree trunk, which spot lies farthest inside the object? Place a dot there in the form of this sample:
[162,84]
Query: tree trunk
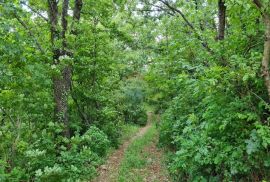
[61,88]
[266,51]
[221,19]
[221,27]
[61,83]
[266,54]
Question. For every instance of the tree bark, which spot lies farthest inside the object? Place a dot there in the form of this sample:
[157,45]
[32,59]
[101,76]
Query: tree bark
[221,19]
[266,51]
[77,10]
[64,26]
[221,27]
[61,87]
[62,82]
[266,54]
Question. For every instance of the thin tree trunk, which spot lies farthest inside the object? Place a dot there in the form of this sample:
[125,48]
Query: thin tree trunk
[221,27]
[64,24]
[221,19]
[266,54]
[77,10]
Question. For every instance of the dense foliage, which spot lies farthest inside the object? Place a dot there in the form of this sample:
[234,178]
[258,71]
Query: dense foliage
[61,87]
[210,90]
[73,73]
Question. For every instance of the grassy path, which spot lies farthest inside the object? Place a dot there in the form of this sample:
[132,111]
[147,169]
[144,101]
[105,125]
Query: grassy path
[137,160]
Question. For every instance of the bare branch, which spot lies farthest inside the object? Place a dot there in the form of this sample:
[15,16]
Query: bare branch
[179,12]
[163,9]
[35,11]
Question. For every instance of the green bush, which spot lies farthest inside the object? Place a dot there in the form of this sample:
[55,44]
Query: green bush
[77,159]
[215,134]
[96,140]
[131,99]
[55,158]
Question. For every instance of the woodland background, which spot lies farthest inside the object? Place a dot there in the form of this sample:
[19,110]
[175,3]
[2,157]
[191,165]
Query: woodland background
[74,75]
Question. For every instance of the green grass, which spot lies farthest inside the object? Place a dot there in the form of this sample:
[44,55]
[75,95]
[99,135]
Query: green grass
[134,158]
[148,107]
[128,131]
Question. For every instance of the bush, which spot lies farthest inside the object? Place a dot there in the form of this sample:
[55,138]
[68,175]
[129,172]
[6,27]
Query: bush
[96,140]
[131,101]
[78,160]
[216,136]
[56,158]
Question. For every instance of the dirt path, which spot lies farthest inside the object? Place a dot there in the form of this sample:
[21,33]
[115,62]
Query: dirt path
[108,171]
[154,170]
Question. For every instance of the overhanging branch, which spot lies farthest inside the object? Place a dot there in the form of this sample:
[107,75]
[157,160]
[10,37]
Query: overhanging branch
[30,33]
[190,25]
[35,11]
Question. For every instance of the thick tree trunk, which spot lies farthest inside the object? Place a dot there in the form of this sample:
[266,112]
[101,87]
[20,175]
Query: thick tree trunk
[266,54]
[61,87]
[62,82]
[221,19]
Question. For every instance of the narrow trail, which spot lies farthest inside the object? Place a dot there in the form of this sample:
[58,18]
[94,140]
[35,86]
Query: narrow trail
[154,170]
[109,171]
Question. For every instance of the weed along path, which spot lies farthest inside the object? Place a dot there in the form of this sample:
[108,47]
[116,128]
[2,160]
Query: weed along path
[137,160]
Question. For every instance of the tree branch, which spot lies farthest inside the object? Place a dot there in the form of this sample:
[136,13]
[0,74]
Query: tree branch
[258,3]
[8,115]
[175,10]
[259,6]
[64,24]
[31,34]
[162,9]
[35,11]
[82,114]
[77,10]
[76,14]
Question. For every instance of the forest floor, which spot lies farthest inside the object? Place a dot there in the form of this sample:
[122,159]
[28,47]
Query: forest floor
[137,160]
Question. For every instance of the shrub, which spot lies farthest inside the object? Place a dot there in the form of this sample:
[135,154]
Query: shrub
[215,134]
[131,99]
[96,140]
